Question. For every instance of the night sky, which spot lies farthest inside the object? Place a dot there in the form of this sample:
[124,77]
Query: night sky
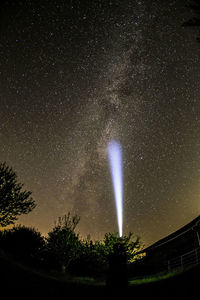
[75,74]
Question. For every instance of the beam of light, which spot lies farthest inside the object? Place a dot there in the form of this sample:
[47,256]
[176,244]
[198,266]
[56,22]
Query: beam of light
[115,160]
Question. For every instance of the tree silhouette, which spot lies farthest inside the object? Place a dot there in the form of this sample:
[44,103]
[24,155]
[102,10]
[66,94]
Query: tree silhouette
[195,21]
[13,201]
[94,256]
[132,245]
[24,243]
[91,260]
[63,243]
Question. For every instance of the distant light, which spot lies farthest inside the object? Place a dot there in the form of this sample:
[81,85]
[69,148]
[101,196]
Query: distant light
[115,159]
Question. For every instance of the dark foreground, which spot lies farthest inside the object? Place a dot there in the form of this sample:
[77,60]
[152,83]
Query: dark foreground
[16,281]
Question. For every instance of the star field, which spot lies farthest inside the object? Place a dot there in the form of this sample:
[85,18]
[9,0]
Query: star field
[75,74]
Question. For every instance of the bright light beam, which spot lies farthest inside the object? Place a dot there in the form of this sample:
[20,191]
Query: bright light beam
[115,159]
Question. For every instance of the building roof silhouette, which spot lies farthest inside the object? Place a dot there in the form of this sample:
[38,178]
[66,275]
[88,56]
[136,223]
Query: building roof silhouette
[193,225]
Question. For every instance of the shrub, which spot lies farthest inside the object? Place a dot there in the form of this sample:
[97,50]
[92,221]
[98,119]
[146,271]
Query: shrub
[23,243]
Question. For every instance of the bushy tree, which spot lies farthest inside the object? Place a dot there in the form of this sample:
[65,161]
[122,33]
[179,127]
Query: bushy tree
[91,261]
[13,200]
[63,244]
[94,255]
[132,245]
[24,243]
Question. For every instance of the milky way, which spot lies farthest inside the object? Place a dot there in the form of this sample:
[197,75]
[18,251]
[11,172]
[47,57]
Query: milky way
[76,74]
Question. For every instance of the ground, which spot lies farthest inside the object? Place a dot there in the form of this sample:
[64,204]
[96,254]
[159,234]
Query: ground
[25,283]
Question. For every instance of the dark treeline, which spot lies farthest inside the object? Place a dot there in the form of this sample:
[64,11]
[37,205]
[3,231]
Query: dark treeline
[62,250]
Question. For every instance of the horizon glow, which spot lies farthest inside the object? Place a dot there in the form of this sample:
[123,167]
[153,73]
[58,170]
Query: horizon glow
[115,160]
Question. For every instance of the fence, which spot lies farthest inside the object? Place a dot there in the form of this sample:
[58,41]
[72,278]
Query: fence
[186,260]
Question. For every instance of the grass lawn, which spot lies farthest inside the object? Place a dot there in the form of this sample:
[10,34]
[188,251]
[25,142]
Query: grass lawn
[153,278]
